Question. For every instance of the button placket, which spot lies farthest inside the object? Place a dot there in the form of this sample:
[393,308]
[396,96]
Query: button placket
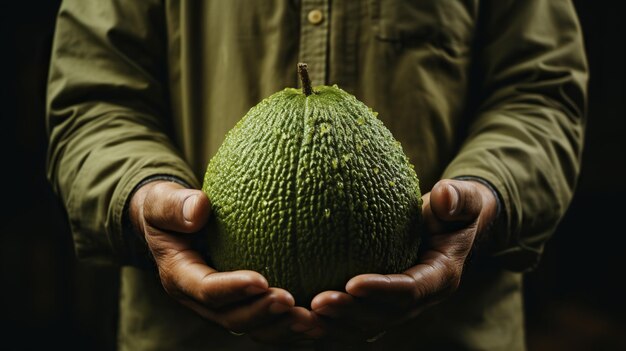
[314,38]
[315,16]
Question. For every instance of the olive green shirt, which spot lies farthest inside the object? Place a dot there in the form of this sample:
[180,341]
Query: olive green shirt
[493,89]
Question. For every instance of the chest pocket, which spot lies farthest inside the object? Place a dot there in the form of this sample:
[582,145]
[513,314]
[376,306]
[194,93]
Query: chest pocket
[444,23]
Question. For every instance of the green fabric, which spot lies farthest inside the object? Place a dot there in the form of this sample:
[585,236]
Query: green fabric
[491,89]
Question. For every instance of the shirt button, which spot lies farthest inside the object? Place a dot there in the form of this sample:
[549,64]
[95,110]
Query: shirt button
[315,17]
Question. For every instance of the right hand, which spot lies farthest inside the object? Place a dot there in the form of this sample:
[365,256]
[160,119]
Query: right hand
[166,214]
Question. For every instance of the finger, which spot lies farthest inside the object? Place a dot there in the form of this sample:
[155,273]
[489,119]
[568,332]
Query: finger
[356,314]
[169,206]
[298,325]
[456,200]
[437,276]
[332,304]
[433,224]
[185,275]
[260,311]
[392,290]
[349,319]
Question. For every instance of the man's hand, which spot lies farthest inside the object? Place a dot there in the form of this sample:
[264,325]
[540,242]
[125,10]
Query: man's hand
[455,213]
[166,214]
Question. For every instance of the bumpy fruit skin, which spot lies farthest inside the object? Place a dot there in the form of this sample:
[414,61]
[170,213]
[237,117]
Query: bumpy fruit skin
[311,191]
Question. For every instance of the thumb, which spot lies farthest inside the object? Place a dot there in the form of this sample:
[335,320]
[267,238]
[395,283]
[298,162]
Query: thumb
[456,200]
[169,206]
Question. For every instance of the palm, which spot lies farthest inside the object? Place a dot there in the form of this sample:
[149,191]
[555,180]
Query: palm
[454,213]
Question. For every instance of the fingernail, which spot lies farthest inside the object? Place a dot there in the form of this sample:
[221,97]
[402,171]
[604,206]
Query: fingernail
[278,308]
[454,199]
[299,327]
[188,207]
[255,290]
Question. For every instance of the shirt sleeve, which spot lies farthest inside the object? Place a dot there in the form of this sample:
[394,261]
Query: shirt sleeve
[526,137]
[107,117]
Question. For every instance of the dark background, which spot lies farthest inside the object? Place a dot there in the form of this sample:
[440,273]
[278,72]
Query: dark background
[574,300]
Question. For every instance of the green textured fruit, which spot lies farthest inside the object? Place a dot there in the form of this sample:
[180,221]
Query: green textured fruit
[311,190]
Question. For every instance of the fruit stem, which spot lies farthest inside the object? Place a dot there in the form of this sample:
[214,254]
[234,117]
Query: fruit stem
[307,89]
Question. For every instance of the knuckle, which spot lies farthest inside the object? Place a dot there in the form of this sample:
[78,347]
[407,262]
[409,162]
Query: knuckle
[153,195]
[159,189]
[159,203]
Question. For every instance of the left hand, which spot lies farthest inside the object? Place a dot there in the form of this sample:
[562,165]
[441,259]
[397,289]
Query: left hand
[455,213]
